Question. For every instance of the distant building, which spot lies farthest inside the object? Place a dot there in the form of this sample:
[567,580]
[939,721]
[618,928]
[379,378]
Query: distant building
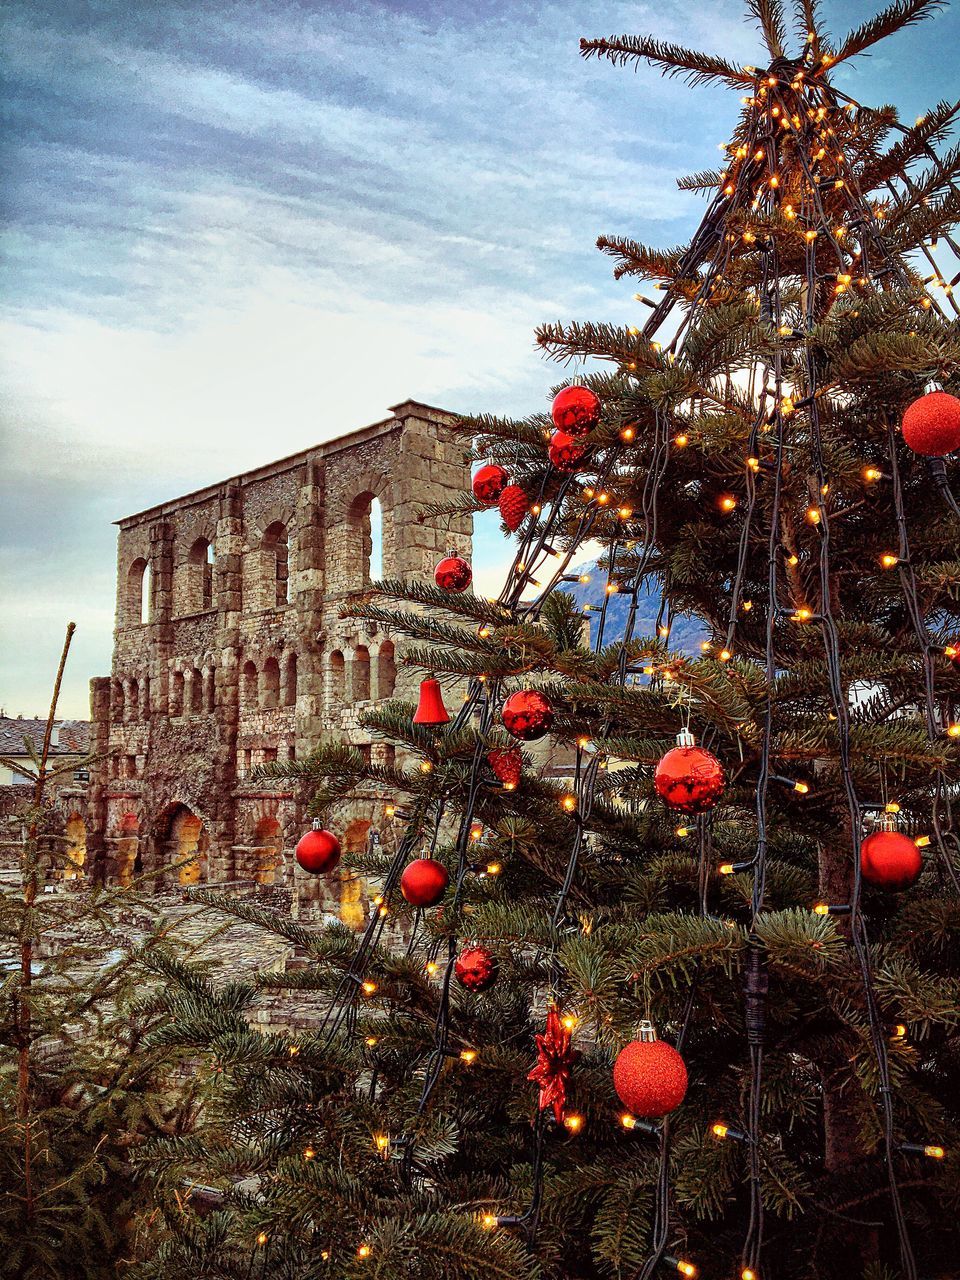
[230,651]
[65,792]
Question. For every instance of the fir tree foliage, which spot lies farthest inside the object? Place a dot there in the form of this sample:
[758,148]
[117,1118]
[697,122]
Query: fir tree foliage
[748,464]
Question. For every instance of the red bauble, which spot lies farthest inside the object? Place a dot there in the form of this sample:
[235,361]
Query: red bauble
[507,765]
[527,714]
[453,573]
[650,1077]
[931,425]
[565,453]
[318,852]
[890,859]
[514,505]
[576,410]
[424,882]
[476,968]
[488,484]
[690,779]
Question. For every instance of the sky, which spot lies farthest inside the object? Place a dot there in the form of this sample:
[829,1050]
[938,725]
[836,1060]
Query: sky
[232,230]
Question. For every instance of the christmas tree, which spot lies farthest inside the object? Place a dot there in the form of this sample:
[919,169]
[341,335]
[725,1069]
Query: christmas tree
[685,1000]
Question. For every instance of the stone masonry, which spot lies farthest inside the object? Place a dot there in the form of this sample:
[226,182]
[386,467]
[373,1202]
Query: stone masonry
[230,652]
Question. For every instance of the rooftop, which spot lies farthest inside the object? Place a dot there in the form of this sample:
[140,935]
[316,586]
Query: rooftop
[70,737]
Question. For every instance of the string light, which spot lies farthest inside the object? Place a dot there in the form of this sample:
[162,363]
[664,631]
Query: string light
[381,1141]
[922,1149]
[262,1239]
[872,474]
[493,868]
[368,988]
[370,1041]
[468,1056]
[831,909]
[727,502]
[308,1153]
[723,1130]
[488,1221]
[569,803]
[569,1021]
[888,560]
[364,1251]
[682,440]
[573,1123]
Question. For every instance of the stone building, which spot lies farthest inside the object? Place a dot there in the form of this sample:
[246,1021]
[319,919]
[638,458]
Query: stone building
[230,652]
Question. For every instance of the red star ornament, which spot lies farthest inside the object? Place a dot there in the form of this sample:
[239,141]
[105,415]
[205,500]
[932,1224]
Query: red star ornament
[555,1059]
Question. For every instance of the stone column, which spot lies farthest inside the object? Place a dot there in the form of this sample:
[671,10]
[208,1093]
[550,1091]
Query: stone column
[99,867]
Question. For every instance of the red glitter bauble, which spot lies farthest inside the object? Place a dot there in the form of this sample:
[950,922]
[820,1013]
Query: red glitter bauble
[565,453]
[488,484]
[527,714]
[514,505]
[575,410]
[424,882]
[890,859]
[475,968]
[453,573]
[931,425]
[650,1077]
[507,765]
[318,852]
[690,779]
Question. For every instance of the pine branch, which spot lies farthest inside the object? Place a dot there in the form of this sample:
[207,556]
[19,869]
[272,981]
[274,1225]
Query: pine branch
[671,59]
[897,16]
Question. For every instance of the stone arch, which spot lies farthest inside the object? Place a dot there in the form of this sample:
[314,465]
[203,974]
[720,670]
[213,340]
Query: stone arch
[270,684]
[139,593]
[129,859]
[364,552]
[353,896]
[195,686]
[268,842]
[248,686]
[288,683]
[275,566]
[75,831]
[209,681]
[360,674]
[336,679]
[384,670]
[176,693]
[131,699]
[198,576]
[184,841]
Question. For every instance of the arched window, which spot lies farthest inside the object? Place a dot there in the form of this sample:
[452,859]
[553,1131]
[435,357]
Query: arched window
[196,693]
[76,833]
[335,679]
[386,671]
[200,590]
[268,842]
[128,847]
[139,592]
[365,518]
[132,701]
[270,684]
[360,674]
[276,562]
[289,690]
[176,693]
[248,686]
[117,710]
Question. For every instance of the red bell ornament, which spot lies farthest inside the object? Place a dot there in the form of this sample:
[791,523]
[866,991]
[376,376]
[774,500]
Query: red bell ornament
[565,453]
[514,505]
[476,969]
[430,708]
[453,573]
[318,851]
[575,410]
[688,777]
[890,859]
[527,714]
[424,882]
[488,484]
[507,765]
[649,1075]
[931,425]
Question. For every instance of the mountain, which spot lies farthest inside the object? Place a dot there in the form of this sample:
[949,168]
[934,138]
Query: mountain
[686,633]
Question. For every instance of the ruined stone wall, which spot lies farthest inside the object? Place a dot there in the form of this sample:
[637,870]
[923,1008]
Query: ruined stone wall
[230,652]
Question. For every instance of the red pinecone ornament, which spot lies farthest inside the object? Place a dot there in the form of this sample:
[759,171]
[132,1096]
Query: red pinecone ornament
[514,505]
[527,714]
[575,410]
[931,425]
[453,573]
[489,483]
[890,860]
[565,453]
[424,882]
[650,1077]
[475,968]
[689,777]
[318,851]
[507,765]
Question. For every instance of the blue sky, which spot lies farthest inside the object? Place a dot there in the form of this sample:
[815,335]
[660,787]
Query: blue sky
[232,230]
